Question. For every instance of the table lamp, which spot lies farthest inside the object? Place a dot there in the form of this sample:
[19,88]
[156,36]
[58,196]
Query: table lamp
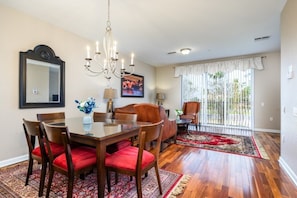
[110,94]
[160,97]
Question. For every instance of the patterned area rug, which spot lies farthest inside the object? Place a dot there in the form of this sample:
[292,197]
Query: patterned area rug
[12,180]
[242,145]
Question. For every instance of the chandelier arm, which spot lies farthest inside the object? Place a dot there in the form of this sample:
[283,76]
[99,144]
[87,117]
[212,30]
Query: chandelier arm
[92,71]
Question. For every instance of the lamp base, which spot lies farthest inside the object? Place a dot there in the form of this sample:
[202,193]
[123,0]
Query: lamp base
[109,106]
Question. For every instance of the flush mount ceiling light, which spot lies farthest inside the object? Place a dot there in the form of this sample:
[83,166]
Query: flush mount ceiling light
[185,51]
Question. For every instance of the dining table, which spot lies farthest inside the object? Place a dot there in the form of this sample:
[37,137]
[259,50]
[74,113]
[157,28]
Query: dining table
[100,135]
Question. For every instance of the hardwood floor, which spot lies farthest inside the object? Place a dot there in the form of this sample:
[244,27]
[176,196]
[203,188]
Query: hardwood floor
[216,174]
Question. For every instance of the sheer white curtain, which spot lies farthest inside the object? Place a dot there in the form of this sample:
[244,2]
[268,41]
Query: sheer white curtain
[220,66]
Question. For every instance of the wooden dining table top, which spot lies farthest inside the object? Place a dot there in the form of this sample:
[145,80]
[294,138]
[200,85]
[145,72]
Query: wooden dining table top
[100,130]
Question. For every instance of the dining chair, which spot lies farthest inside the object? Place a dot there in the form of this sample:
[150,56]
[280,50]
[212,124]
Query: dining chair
[137,161]
[32,132]
[72,162]
[101,116]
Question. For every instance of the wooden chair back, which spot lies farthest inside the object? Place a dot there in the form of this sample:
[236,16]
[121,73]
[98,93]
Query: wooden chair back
[55,134]
[32,132]
[101,117]
[50,116]
[150,139]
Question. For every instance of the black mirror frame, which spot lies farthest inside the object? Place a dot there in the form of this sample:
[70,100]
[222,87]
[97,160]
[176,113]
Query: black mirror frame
[45,54]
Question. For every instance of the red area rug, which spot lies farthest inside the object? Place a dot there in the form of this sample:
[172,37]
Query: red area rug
[12,184]
[235,144]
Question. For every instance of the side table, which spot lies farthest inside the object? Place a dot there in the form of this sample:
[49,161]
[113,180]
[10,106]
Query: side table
[183,124]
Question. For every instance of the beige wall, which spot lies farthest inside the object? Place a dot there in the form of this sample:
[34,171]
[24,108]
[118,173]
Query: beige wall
[171,86]
[20,32]
[267,92]
[288,157]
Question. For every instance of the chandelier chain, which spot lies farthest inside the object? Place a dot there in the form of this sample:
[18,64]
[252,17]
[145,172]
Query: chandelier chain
[108,23]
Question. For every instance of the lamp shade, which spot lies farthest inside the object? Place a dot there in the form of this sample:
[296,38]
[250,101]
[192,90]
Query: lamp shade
[110,93]
[160,96]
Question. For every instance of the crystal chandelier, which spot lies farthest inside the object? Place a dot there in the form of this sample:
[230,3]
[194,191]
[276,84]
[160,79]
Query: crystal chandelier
[107,65]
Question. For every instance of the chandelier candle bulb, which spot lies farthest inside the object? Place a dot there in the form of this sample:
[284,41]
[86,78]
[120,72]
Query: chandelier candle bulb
[88,52]
[132,57]
[123,63]
[97,47]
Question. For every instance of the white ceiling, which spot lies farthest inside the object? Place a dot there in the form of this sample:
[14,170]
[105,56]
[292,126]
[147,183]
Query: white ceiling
[152,28]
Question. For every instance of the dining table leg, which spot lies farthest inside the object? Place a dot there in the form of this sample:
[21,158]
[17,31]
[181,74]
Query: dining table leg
[101,172]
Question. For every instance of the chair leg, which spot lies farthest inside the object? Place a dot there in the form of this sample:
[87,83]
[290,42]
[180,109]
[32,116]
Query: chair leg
[42,178]
[138,185]
[29,172]
[50,179]
[70,185]
[158,179]
[82,176]
[116,177]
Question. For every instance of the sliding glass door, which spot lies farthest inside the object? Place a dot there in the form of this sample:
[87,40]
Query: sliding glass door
[226,98]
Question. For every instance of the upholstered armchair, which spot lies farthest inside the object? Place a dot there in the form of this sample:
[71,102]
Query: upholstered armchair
[191,111]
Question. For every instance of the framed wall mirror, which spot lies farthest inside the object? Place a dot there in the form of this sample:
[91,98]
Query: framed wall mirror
[42,79]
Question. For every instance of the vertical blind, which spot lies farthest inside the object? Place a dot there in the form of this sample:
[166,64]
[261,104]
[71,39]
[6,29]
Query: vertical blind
[225,92]
[226,98]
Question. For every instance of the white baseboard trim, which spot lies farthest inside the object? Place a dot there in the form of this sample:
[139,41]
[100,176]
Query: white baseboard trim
[288,170]
[267,130]
[13,160]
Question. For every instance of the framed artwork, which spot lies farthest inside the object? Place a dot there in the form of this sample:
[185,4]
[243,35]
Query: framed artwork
[132,86]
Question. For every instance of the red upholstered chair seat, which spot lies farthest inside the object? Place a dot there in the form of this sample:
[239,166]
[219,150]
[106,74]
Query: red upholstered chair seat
[81,158]
[126,158]
[36,151]
[56,149]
